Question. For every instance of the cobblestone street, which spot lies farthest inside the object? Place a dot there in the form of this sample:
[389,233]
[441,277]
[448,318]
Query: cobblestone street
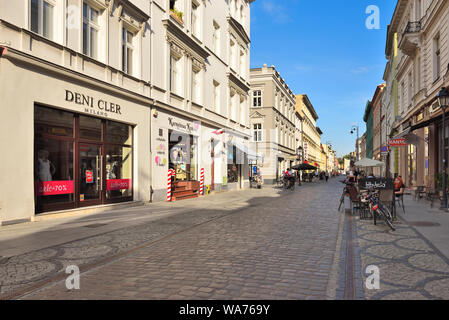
[259,244]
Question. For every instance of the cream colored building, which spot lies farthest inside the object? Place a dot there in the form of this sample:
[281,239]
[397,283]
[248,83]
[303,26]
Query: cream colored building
[273,122]
[101,97]
[418,54]
[311,134]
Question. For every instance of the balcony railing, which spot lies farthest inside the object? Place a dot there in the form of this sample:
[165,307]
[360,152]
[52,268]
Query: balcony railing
[413,27]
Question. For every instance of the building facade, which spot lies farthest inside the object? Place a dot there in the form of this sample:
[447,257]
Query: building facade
[311,134]
[418,53]
[117,93]
[377,126]
[273,121]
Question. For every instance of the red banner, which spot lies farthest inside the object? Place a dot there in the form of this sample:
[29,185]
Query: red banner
[50,188]
[400,142]
[118,184]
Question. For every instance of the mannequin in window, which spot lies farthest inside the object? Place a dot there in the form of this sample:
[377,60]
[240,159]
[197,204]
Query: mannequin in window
[46,168]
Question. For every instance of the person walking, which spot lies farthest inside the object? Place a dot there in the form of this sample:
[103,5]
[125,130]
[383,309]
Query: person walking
[327,176]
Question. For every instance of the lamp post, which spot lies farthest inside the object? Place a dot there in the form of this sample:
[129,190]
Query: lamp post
[443,100]
[355,127]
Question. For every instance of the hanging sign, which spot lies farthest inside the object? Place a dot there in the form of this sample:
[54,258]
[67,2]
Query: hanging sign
[399,142]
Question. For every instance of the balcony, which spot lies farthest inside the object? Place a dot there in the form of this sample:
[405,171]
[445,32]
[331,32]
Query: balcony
[411,38]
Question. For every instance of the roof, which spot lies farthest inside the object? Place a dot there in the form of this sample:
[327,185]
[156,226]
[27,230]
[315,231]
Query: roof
[308,104]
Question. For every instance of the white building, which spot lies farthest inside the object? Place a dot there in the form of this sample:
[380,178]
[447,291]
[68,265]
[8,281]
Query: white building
[101,97]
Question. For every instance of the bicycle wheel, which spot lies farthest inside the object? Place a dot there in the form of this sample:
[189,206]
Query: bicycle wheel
[382,210]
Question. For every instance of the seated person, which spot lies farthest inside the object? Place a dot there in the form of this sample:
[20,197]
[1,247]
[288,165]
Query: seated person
[399,186]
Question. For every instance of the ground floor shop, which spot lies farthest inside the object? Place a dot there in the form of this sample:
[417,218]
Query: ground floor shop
[68,142]
[196,151]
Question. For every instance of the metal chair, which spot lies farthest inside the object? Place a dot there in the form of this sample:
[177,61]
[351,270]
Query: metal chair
[387,197]
[399,198]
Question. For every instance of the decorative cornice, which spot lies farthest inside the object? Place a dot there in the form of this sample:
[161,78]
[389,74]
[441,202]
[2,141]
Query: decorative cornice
[242,85]
[239,29]
[175,34]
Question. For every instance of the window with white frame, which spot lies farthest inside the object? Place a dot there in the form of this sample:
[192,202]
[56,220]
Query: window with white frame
[231,54]
[174,74]
[90,31]
[436,58]
[242,63]
[196,85]
[216,39]
[216,96]
[127,51]
[42,18]
[242,119]
[257,133]
[195,20]
[257,98]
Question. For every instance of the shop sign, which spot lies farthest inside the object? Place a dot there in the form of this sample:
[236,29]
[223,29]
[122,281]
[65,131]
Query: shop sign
[50,188]
[374,183]
[89,176]
[96,106]
[399,142]
[187,126]
[118,184]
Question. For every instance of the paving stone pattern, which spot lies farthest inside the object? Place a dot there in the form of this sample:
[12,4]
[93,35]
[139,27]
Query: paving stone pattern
[277,248]
[411,268]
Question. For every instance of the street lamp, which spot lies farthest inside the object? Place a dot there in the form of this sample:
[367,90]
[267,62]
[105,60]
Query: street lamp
[355,127]
[443,101]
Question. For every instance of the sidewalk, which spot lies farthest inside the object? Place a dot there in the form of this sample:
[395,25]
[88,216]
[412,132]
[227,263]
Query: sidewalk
[30,236]
[432,223]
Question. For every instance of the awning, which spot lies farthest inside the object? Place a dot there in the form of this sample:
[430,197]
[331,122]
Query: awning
[410,138]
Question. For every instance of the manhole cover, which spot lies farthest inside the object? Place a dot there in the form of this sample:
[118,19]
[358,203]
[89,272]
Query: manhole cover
[423,224]
[95,225]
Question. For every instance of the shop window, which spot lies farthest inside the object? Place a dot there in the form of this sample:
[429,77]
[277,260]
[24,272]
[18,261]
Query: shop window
[53,122]
[41,17]
[183,155]
[90,128]
[234,163]
[118,171]
[118,133]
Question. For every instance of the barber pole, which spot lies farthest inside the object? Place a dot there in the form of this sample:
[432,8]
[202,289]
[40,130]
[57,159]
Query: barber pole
[171,173]
[202,182]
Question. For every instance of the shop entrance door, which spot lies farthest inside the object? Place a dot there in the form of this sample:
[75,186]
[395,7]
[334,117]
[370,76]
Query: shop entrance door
[90,174]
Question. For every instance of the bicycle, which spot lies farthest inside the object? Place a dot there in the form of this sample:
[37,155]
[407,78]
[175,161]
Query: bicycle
[377,208]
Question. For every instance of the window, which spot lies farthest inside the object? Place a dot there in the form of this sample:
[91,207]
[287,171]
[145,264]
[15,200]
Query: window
[195,86]
[436,58]
[231,54]
[410,89]
[257,98]
[41,17]
[257,132]
[216,96]
[195,20]
[216,39]
[242,64]
[127,51]
[90,31]
[173,74]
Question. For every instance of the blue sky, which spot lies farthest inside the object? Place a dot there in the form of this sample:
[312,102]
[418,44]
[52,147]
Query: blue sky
[323,49]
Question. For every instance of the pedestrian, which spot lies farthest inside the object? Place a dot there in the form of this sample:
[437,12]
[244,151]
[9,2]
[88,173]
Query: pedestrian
[327,176]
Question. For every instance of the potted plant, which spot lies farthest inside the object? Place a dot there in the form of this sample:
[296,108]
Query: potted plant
[177,14]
